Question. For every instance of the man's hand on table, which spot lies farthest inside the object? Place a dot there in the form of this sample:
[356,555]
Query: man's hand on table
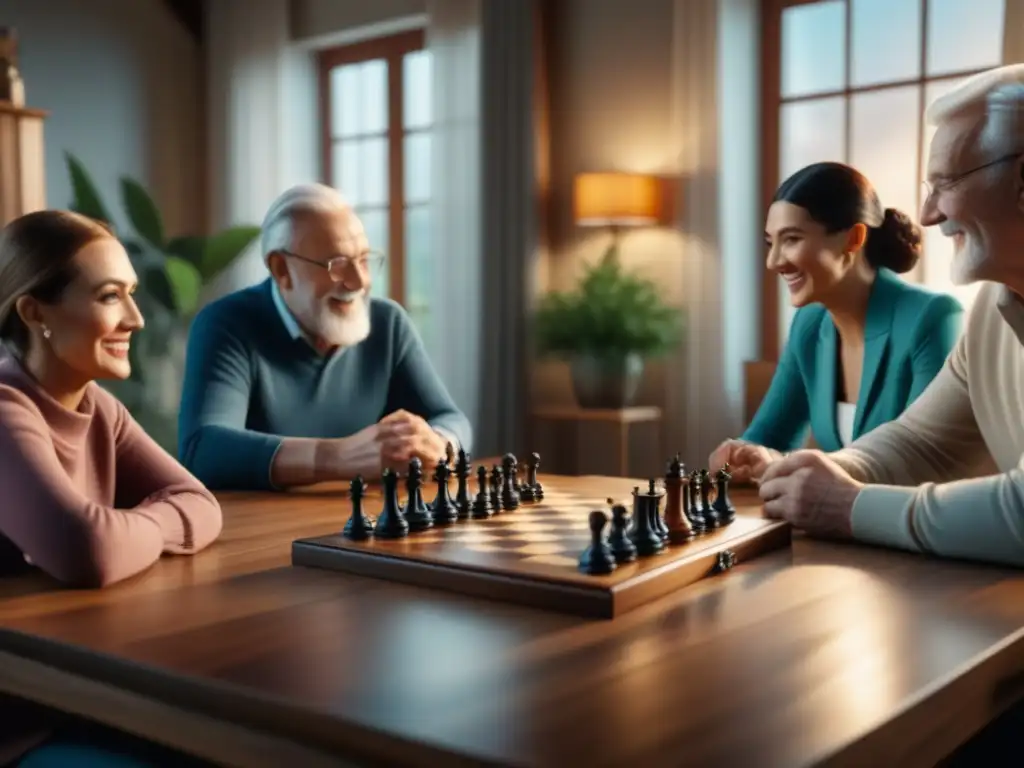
[811,492]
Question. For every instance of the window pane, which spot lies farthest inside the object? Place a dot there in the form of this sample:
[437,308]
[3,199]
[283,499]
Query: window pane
[809,132]
[813,48]
[374,96]
[417,168]
[375,222]
[345,169]
[417,101]
[938,249]
[419,267]
[886,44]
[373,171]
[964,35]
[883,143]
[345,104]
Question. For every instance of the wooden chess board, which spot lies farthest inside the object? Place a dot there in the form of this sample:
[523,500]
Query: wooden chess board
[530,555]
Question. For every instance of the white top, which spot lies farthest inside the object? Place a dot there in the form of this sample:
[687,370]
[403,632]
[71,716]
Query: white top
[845,413]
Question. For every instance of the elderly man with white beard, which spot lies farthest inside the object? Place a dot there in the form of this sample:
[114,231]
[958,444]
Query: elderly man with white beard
[305,377]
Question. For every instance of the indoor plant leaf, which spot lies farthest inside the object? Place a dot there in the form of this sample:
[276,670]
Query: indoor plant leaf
[186,283]
[223,248]
[142,213]
[87,199]
[189,248]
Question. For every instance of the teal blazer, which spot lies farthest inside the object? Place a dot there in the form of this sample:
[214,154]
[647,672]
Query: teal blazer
[909,333]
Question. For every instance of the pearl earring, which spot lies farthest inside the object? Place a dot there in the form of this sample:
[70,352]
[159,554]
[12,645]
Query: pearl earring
[46,332]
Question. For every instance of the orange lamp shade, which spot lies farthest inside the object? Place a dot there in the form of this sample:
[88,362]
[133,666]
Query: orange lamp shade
[617,199]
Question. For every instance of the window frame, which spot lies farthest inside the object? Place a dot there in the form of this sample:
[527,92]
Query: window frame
[392,49]
[771,114]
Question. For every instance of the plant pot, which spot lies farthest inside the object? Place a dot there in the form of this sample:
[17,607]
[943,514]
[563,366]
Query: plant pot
[606,382]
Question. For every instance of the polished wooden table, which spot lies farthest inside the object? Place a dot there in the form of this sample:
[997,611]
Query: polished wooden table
[823,655]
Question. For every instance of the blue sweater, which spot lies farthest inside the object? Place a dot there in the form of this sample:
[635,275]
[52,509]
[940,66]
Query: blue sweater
[250,382]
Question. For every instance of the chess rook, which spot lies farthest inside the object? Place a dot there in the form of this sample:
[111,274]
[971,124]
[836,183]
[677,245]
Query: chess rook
[597,559]
[642,533]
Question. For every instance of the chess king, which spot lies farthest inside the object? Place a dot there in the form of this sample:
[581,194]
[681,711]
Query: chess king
[305,377]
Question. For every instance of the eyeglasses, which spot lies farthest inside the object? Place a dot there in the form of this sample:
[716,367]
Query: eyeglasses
[948,183]
[369,263]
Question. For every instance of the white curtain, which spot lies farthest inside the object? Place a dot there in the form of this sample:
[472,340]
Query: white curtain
[454,39]
[261,116]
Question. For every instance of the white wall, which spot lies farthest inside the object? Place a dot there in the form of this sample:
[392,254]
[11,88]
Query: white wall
[122,81]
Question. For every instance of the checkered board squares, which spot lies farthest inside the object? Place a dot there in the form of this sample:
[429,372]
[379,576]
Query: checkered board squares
[530,555]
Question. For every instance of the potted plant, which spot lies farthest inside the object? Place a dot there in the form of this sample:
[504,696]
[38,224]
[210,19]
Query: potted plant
[172,272]
[606,330]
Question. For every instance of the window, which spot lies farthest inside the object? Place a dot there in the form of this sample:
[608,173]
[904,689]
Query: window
[849,80]
[377,106]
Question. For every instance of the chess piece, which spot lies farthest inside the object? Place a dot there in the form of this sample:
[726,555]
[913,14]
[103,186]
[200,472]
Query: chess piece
[696,512]
[482,503]
[449,454]
[710,516]
[722,505]
[462,471]
[696,520]
[510,482]
[443,506]
[680,530]
[531,490]
[597,559]
[391,524]
[641,533]
[359,527]
[496,478]
[417,515]
[622,548]
[654,510]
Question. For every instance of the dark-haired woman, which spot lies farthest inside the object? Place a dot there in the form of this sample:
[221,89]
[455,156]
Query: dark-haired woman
[863,343]
[88,497]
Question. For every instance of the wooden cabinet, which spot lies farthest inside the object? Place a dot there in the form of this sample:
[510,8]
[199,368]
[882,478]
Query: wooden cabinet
[22,167]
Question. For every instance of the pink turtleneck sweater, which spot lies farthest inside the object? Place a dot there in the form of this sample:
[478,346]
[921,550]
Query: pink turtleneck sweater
[89,497]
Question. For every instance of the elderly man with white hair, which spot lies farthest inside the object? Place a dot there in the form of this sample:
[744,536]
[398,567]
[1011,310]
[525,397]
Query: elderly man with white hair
[946,477]
[305,377]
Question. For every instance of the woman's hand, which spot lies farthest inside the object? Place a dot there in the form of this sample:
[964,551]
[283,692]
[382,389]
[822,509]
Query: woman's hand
[747,461]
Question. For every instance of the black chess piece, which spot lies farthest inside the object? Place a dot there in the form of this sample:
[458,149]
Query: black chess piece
[654,510]
[391,524]
[696,513]
[623,549]
[710,515]
[443,506]
[696,520]
[642,533]
[496,479]
[510,482]
[463,503]
[722,505]
[359,527]
[482,503]
[531,490]
[597,559]
[417,515]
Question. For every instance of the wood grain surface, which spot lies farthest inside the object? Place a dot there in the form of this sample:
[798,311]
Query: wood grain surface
[823,654]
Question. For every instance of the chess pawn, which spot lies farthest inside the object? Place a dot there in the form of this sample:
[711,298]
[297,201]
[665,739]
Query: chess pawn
[710,516]
[510,482]
[597,559]
[641,533]
[463,504]
[391,524]
[416,513]
[622,548]
[496,479]
[359,527]
[722,505]
[443,506]
[532,490]
[696,513]
[482,503]
[680,530]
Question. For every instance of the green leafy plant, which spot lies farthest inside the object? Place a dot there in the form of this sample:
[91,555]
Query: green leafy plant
[172,273]
[612,314]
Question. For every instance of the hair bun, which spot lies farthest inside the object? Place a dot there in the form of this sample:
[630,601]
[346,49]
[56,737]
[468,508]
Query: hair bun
[895,244]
